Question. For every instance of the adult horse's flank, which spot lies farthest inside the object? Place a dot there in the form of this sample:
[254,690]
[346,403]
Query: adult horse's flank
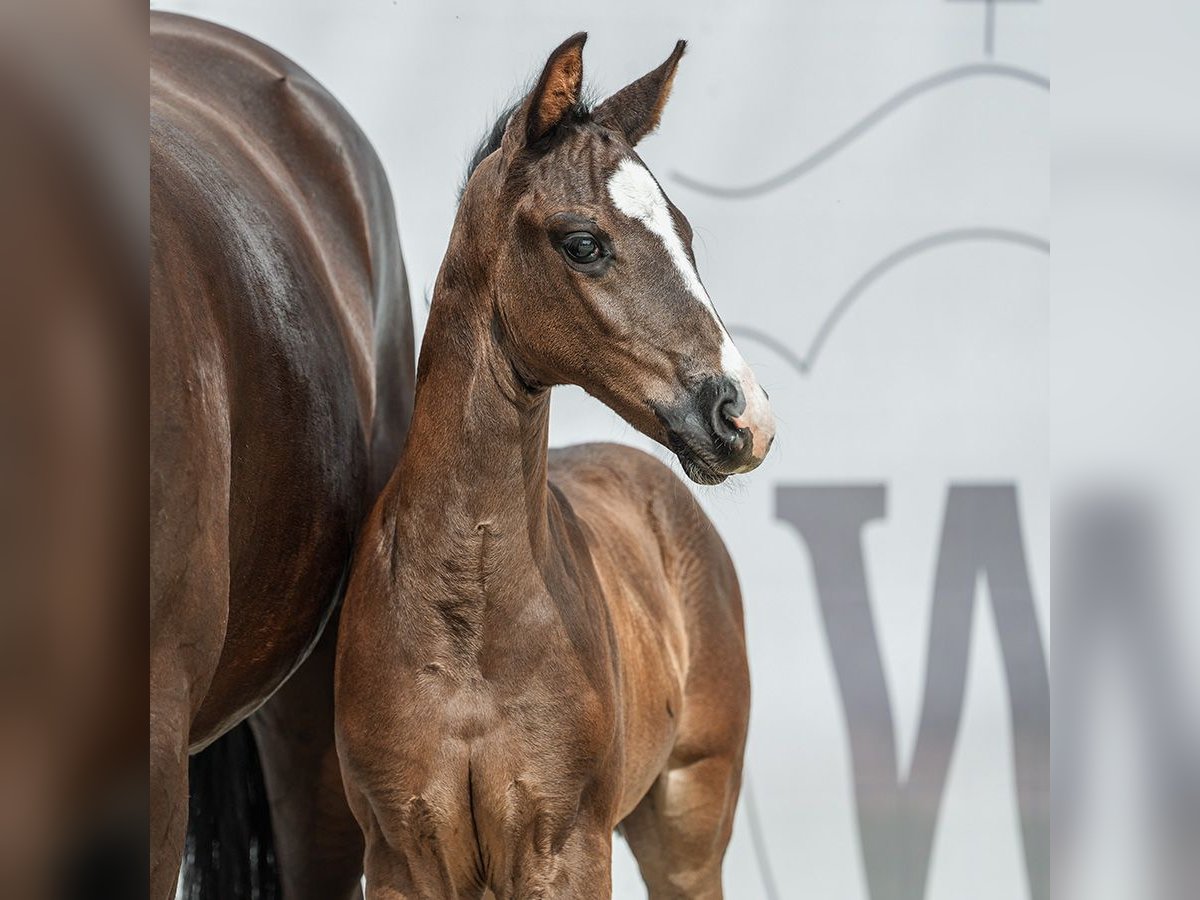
[537,647]
[281,379]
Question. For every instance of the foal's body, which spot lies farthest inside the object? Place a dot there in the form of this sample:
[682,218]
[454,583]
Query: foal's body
[559,656]
[539,647]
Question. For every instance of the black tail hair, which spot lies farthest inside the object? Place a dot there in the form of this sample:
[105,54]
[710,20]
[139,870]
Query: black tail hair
[230,851]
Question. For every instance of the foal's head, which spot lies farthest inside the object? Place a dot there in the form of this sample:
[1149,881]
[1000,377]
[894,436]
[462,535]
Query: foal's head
[593,275]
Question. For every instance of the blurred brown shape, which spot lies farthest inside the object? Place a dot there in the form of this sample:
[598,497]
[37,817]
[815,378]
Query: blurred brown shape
[73,245]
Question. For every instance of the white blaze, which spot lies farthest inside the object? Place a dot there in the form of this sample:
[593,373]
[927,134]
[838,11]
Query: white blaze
[635,193]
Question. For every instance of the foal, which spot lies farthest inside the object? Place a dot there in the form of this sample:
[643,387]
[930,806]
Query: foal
[539,647]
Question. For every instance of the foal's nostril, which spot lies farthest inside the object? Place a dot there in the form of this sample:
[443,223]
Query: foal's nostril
[729,411]
[728,405]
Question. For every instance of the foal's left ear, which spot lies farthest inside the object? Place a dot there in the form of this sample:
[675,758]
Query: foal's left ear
[557,90]
[636,108]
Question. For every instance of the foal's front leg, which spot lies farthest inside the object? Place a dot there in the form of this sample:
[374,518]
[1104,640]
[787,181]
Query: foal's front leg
[581,870]
[420,843]
[418,871]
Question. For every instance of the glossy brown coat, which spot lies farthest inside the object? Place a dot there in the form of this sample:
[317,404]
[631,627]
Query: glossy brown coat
[281,377]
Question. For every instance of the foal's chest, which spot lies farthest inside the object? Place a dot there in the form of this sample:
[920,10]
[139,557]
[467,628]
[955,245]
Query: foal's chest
[515,765]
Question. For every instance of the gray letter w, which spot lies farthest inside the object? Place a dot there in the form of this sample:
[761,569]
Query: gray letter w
[981,535]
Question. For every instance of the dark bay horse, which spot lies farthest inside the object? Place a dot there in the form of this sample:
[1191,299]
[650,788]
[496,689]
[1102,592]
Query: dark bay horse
[281,388]
[537,647]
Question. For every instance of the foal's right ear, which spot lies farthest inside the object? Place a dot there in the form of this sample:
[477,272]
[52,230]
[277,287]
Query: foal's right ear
[552,98]
[636,108]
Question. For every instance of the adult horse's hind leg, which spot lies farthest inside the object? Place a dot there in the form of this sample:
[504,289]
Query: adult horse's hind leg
[317,840]
[189,595]
[189,605]
[169,715]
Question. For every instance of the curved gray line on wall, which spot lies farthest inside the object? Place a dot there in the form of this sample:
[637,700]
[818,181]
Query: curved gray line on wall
[804,364]
[855,131]
[758,837]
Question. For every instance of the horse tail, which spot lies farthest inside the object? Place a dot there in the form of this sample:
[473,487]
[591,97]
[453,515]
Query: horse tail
[230,850]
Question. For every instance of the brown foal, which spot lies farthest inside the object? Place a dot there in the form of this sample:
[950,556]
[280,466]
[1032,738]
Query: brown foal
[538,647]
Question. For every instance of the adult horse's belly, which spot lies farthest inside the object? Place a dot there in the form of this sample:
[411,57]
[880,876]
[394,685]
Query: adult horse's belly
[274,254]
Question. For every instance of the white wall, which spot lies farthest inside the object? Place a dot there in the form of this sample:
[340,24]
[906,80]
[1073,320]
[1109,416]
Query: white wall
[936,374]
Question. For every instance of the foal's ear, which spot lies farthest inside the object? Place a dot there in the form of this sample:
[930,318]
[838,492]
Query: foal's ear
[557,90]
[636,108]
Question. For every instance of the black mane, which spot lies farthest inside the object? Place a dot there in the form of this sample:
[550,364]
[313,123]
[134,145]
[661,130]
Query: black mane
[489,144]
[494,135]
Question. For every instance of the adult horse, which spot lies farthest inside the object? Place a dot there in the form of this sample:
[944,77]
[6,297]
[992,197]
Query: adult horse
[539,647]
[281,382]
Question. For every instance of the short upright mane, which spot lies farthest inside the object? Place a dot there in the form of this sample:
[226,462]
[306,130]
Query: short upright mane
[489,143]
[581,112]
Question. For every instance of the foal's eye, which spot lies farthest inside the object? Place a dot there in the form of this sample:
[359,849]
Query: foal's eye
[582,247]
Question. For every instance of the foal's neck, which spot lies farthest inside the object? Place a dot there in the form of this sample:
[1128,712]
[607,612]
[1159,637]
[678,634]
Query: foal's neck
[475,459]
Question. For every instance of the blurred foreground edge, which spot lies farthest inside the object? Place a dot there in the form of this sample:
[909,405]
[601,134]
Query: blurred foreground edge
[73,341]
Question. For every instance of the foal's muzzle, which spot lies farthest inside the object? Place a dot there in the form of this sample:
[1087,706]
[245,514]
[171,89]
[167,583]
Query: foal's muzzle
[716,431]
